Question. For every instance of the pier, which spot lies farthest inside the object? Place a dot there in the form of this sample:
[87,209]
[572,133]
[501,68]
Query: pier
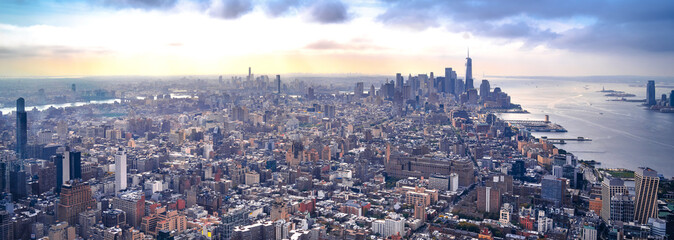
[537,125]
[564,140]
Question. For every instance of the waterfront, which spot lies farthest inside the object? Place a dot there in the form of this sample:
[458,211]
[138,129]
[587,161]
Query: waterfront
[8,110]
[624,134]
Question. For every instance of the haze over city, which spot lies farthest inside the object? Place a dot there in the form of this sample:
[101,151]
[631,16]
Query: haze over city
[174,37]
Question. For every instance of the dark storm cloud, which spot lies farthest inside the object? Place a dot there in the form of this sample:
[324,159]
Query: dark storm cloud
[329,11]
[230,9]
[616,25]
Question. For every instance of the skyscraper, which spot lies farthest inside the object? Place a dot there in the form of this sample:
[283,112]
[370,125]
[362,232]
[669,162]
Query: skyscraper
[609,188]
[21,129]
[553,189]
[650,92]
[278,84]
[671,99]
[120,170]
[484,90]
[358,91]
[469,72]
[646,189]
[450,79]
[399,82]
[68,167]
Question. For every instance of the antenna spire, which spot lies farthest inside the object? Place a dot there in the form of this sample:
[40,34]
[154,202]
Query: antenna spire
[468,52]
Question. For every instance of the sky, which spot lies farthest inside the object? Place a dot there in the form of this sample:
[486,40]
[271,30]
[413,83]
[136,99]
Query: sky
[203,37]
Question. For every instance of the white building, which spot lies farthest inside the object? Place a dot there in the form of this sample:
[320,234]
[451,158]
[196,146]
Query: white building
[544,223]
[453,182]
[589,233]
[389,227]
[506,212]
[120,170]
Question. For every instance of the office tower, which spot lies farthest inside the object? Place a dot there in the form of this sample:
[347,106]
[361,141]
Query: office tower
[75,164]
[133,205]
[488,199]
[68,167]
[671,99]
[399,82]
[650,92]
[250,74]
[278,84]
[518,169]
[553,189]
[73,87]
[453,182]
[646,189]
[469,72]
[310,93]
[17,183]
[75,199]
[609,188]
[371,92]
[21,129]
[120,170]
[484,90]
[450,81]
[358,91]
[460,87]
[622,207]
[6,225]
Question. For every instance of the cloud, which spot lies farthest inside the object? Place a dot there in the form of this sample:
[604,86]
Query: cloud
[229,9]
[141,4]
[352,45]
[329,11]
[276,8]
[617,25]
[15,52]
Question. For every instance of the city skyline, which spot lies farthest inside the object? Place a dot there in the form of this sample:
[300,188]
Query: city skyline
[82,38]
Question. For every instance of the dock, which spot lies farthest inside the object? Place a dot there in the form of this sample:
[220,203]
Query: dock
[537,125]
[564,140]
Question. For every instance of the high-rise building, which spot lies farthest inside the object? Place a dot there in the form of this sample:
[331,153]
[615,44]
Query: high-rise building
[646,193]
[622,207]
[488,199]
[120,170]
[553,189]
[358,91]
[453,182]
[21,129]
[6,225]
[671,99]
[75,198]
[469,72]
[133,205]
[450,81]
[399,82]
[278,84]
[650,92]
[484,90]
[609,188]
